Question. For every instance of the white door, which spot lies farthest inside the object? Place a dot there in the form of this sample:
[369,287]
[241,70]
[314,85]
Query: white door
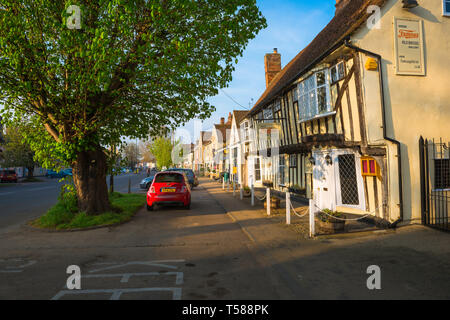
[323,181]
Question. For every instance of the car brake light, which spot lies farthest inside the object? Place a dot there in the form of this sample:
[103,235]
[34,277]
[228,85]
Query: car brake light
[152,190]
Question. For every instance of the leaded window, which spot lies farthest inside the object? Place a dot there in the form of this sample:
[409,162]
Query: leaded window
[314,95]
[348,179]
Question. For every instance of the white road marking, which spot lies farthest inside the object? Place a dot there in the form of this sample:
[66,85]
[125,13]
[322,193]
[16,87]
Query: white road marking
[144,263]
[126,276]
[116,293]
[17,269]
[5,193]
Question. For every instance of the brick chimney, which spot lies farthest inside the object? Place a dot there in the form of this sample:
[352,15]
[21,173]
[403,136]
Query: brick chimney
[272,63]
[222,120]
[230,118]
[340,4]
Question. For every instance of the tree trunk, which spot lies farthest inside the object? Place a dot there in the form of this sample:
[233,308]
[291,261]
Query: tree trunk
[89,177]
[111,183]
[30,172]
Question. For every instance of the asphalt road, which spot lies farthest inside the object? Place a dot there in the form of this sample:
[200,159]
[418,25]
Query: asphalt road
[20,202]
[169,253]
[220,249]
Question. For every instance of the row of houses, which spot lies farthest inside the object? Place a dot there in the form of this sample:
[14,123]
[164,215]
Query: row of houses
[341,122]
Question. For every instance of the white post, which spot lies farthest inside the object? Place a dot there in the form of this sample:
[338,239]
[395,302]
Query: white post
[253,195]
[311,219]
[223,183]
[288,208]
[242,193]
[268,201]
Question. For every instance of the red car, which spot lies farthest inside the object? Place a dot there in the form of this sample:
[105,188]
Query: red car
[169,188]
[8,176]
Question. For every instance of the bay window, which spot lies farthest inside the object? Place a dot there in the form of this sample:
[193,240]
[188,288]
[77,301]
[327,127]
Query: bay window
[314,95]
[268,114]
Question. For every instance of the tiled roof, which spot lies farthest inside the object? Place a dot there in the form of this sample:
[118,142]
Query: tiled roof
[224,130]
[239,115]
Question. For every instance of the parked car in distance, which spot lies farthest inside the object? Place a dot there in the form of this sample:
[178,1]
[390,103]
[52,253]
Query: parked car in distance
[169,188]
[8,175]
[67,172]
[193,181]
[52,174]
[147,182]
[61,174]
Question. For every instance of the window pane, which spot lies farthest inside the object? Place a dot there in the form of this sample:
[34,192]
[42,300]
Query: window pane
[322,99]
[277,105]
[310,83]
[320,78]
[447,7]
[169,177]
[295,94]
[341,70]
[334,77]
[349,183]
[312,108]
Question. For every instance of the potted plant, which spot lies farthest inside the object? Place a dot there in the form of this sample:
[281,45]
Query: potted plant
[247,192]
[328,221]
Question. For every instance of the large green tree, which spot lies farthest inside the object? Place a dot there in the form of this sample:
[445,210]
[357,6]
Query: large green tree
[130,68]
[161,148]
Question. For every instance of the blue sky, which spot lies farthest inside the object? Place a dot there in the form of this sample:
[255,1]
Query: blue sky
[292,25]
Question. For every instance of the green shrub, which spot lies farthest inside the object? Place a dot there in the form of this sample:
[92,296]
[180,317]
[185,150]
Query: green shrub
[325,214]
[64,214]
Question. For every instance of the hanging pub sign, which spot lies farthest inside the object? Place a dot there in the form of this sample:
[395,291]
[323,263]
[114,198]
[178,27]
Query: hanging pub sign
[409,47]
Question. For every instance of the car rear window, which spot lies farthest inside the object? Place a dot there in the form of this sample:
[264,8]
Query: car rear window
[169,177]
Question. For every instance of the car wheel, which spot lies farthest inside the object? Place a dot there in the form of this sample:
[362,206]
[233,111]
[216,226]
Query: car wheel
[188,206]
[147,186]
[149,208]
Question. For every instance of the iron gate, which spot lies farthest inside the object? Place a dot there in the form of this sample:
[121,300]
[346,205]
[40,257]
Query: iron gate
[435,183]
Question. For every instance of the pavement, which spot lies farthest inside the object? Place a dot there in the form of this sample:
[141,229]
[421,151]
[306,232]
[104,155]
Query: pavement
[223,248]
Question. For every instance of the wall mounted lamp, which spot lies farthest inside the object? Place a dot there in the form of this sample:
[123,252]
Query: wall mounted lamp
[409,4]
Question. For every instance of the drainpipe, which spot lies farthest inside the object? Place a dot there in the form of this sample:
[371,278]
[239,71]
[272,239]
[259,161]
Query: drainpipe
[396,142]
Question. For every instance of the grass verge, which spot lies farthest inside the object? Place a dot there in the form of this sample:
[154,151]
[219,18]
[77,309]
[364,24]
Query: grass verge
[65,216]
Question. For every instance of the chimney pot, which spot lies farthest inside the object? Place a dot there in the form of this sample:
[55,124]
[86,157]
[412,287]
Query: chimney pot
[222,120]
[230,118]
